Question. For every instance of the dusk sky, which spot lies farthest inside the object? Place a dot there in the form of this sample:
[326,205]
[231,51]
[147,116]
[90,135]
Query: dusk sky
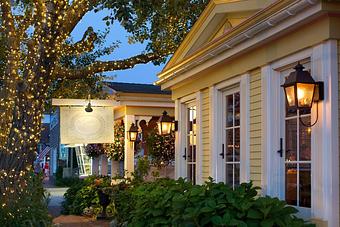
[145,73]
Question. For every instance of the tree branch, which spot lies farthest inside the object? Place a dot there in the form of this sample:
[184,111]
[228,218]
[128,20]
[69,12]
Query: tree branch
[86,44]
[75,13]
[100,66]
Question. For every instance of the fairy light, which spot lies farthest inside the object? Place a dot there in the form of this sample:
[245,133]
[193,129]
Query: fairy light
[36,41]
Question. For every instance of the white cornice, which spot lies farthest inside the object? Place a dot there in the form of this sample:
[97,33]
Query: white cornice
[229,46]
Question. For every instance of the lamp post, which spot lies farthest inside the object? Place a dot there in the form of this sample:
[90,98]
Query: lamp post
[301,91]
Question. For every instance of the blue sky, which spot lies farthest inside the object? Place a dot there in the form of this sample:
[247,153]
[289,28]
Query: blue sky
[145,73]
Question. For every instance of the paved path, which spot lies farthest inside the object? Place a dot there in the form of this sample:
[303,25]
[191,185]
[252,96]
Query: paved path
[56,198]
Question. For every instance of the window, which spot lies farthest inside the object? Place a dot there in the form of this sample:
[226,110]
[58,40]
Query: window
[191,141]
[232,138]
[298,159]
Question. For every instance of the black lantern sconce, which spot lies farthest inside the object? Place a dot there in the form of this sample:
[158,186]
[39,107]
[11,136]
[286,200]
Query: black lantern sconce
[301,91]
[166,124]
[133,133]
[89,108]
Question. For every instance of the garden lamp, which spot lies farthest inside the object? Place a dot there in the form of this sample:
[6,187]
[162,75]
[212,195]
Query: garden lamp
[301,90]
[165,124]
[133,132]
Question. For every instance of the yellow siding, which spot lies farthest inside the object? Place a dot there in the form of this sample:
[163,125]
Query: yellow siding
[255,127]
[205,135]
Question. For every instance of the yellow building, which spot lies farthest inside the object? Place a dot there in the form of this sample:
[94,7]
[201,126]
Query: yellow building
[226,79]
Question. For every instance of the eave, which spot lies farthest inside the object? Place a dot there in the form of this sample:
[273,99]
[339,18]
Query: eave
[264,20]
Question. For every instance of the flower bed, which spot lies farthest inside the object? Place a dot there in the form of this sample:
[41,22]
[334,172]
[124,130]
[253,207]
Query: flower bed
[167,202]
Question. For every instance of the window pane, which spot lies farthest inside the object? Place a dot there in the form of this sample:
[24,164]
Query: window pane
[305,140]
[237,108]
[190,152]
[229,111]
[189,171]
[230,145]
[305,185]
[237,144]
[237,174]
[229,174]
[291,143]
[291,184]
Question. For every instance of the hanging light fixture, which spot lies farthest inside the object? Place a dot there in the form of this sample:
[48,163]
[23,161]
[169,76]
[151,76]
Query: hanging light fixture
[133,133]
[89,108]
[165,124]
[301,90]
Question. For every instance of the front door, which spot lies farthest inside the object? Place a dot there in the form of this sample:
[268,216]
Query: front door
[191,142]
[296,157]
[231,137]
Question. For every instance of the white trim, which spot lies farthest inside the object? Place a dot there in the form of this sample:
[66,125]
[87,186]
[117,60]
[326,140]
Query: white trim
[325,134]
[84,102]
[216,132]
[199,150]
[180,115]
[170,78]
[213,132]
[245,128]
[146,104]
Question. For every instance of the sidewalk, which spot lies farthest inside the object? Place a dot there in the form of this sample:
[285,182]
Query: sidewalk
[78,221]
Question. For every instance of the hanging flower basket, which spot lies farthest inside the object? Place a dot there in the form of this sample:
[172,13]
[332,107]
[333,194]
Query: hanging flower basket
[94,150]
[115,150]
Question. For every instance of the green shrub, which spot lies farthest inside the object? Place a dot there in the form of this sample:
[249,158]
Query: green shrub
[83,194]
[168,202]
[30,209]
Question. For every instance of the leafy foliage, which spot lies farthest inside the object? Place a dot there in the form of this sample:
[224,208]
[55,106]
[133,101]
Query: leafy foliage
[115,151]
[31,207]
[163,24]
[168,202]
[94,150]
[161,148]
[84,194]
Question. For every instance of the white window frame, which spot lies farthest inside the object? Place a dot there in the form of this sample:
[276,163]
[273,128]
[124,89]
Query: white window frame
[180,142]
[325,134]
[216,125]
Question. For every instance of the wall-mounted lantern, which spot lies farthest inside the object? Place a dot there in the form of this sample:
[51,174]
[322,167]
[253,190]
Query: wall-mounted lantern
[165,124]
[89,108]
[301,91]
[133,133]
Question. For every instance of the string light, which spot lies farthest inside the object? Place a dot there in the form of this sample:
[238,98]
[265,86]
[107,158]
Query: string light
[36,41]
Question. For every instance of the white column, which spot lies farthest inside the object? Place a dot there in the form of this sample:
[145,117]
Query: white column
[95,166]
[103,159]
[325,136]
[114,168]
[129,157]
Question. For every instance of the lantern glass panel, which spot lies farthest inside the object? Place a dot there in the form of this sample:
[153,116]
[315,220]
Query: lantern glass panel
[290,96]
[305,93]
[133,136]
[165,128]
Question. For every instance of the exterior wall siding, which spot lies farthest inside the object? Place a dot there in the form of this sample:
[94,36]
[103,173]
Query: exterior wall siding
[205,135]
[255,127]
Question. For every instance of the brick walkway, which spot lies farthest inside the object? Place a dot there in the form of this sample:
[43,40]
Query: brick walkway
[78,221]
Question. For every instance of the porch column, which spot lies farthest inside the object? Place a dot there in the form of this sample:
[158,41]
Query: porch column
[95,166]
[129,157]
[104,165]
[114,168]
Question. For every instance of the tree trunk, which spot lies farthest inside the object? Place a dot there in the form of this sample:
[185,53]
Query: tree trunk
[19,144]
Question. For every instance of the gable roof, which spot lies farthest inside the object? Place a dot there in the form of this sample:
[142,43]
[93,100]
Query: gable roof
[212,20]
[136,88]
